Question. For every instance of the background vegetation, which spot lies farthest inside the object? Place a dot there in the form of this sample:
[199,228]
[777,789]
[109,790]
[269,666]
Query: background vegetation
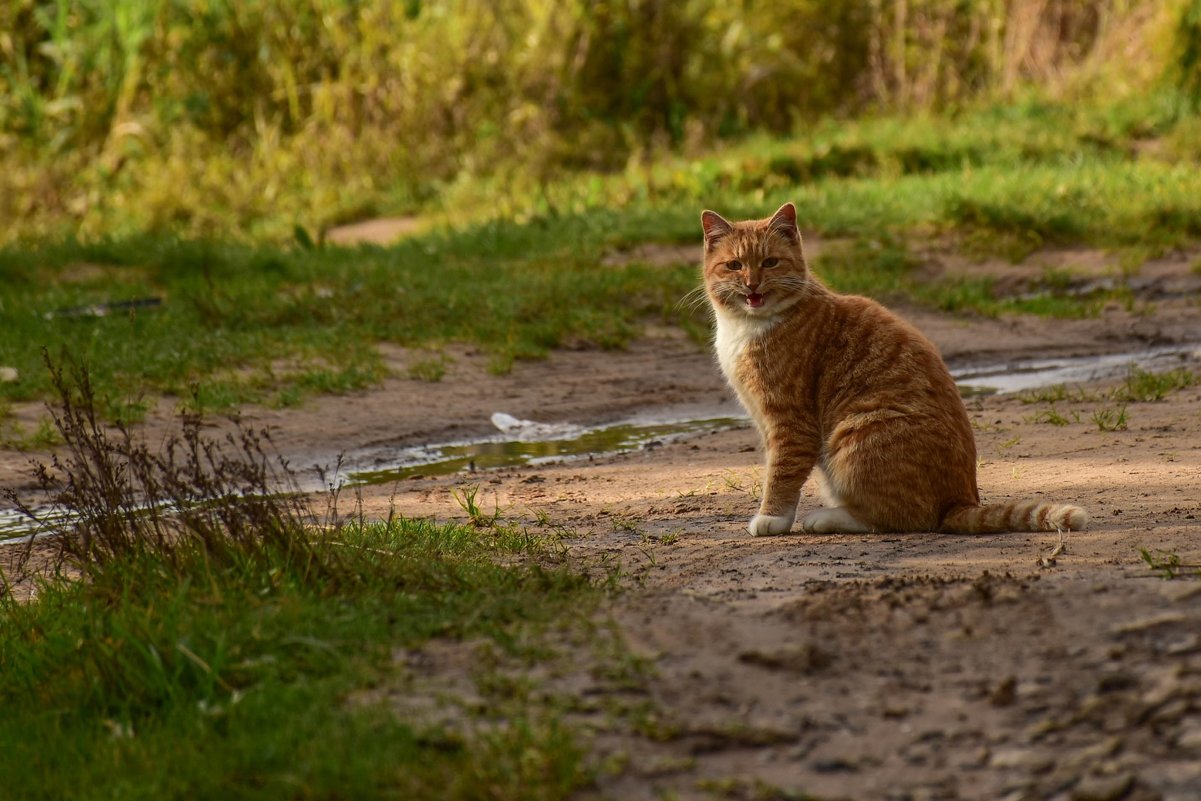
[190,154]
[240,119]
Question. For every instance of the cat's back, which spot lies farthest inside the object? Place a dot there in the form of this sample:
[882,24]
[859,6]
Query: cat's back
[873,353]
[837,355]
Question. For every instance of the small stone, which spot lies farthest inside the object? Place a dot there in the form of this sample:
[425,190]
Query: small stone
[1021,794]
[1102,788]
[1005,693]
[1187,645]
[1190,738]
[1167,685]
[8,375]
[1180,591]
[834,765]
[1028,759]
[1150,622]
[1171,711]
[1092,754]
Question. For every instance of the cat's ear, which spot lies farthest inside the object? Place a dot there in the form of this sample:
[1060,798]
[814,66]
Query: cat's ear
[783,222]
[715,227]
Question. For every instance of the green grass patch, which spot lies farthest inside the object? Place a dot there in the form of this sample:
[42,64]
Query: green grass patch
[1055,393]
[1144,386]
[1139,386]
[1168,565]
[237,324]
[222,121]
[518,266]
[199,632]
[157,680]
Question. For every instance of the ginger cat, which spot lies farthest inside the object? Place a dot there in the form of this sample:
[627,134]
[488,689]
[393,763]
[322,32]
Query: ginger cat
[840,385]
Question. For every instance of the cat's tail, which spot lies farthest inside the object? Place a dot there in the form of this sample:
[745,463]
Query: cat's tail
[1015,516]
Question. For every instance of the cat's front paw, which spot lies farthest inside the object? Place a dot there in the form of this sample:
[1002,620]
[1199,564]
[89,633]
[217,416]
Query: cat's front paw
[767,525]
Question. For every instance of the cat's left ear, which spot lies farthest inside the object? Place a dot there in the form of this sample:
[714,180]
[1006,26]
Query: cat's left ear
[783,222]
[715,227]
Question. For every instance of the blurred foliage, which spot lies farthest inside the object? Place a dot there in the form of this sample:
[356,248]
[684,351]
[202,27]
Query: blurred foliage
[1186,62]
[199,115]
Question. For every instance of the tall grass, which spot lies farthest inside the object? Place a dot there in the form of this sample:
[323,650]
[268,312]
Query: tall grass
[112,497]
[192,114]
[209,642]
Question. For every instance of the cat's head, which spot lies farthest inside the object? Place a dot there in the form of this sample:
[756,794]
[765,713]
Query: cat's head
[755,267]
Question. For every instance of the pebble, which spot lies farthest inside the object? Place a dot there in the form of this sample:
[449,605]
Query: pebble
[1029,759]
[1190,738]
[1151,622]
[1093,753]
[1005,693]
[1179,591]
[1102,788]
[8,375]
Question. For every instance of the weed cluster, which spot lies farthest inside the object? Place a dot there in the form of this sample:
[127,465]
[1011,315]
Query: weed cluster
[206,639]
[1143,386]
[1168,565]
[1139,386]
[228,502]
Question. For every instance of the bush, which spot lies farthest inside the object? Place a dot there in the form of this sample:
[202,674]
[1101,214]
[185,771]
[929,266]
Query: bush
[188,115]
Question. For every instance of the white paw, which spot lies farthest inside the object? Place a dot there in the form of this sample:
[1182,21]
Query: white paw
[766,525]
[828,521]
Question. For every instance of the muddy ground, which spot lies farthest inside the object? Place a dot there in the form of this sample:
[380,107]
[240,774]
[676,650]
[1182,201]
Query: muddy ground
[920,666]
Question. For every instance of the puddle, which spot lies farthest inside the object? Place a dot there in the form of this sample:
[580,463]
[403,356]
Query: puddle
[14,524]
[1015,376]
[525,442]
[503,450]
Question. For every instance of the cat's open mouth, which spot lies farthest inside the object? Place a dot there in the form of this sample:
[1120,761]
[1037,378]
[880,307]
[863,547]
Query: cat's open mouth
[754,300]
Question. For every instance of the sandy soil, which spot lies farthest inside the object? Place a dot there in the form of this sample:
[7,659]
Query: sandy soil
[915,666]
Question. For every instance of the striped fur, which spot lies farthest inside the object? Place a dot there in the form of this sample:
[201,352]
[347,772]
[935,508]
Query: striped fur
[840,385]
[1017,516]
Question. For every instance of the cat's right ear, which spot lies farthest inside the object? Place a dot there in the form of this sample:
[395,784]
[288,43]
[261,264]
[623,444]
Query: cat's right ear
[715,227]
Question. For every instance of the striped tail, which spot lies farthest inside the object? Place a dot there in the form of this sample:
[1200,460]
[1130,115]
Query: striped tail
[1016,516]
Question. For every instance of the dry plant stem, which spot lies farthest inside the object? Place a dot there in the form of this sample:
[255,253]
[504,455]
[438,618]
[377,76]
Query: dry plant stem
[231,499]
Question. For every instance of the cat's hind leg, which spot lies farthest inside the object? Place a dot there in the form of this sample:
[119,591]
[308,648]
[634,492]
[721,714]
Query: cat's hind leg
[835,520]
[876,472]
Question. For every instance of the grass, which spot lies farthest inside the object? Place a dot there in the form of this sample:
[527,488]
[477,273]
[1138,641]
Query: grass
[1167,564]
[517,270]
[1144,386]
[1139,386]
[199,636]
[1110,419]
[1052,416]
[242,324]
[203,681]
[181,171]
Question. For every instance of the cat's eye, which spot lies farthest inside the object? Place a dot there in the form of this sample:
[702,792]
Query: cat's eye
[733,265]
[771,261]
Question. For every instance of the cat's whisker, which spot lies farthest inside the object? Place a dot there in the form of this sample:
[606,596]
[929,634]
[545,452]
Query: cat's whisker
[693,300]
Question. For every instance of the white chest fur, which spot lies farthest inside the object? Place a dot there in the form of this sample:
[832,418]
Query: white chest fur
[734,333]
